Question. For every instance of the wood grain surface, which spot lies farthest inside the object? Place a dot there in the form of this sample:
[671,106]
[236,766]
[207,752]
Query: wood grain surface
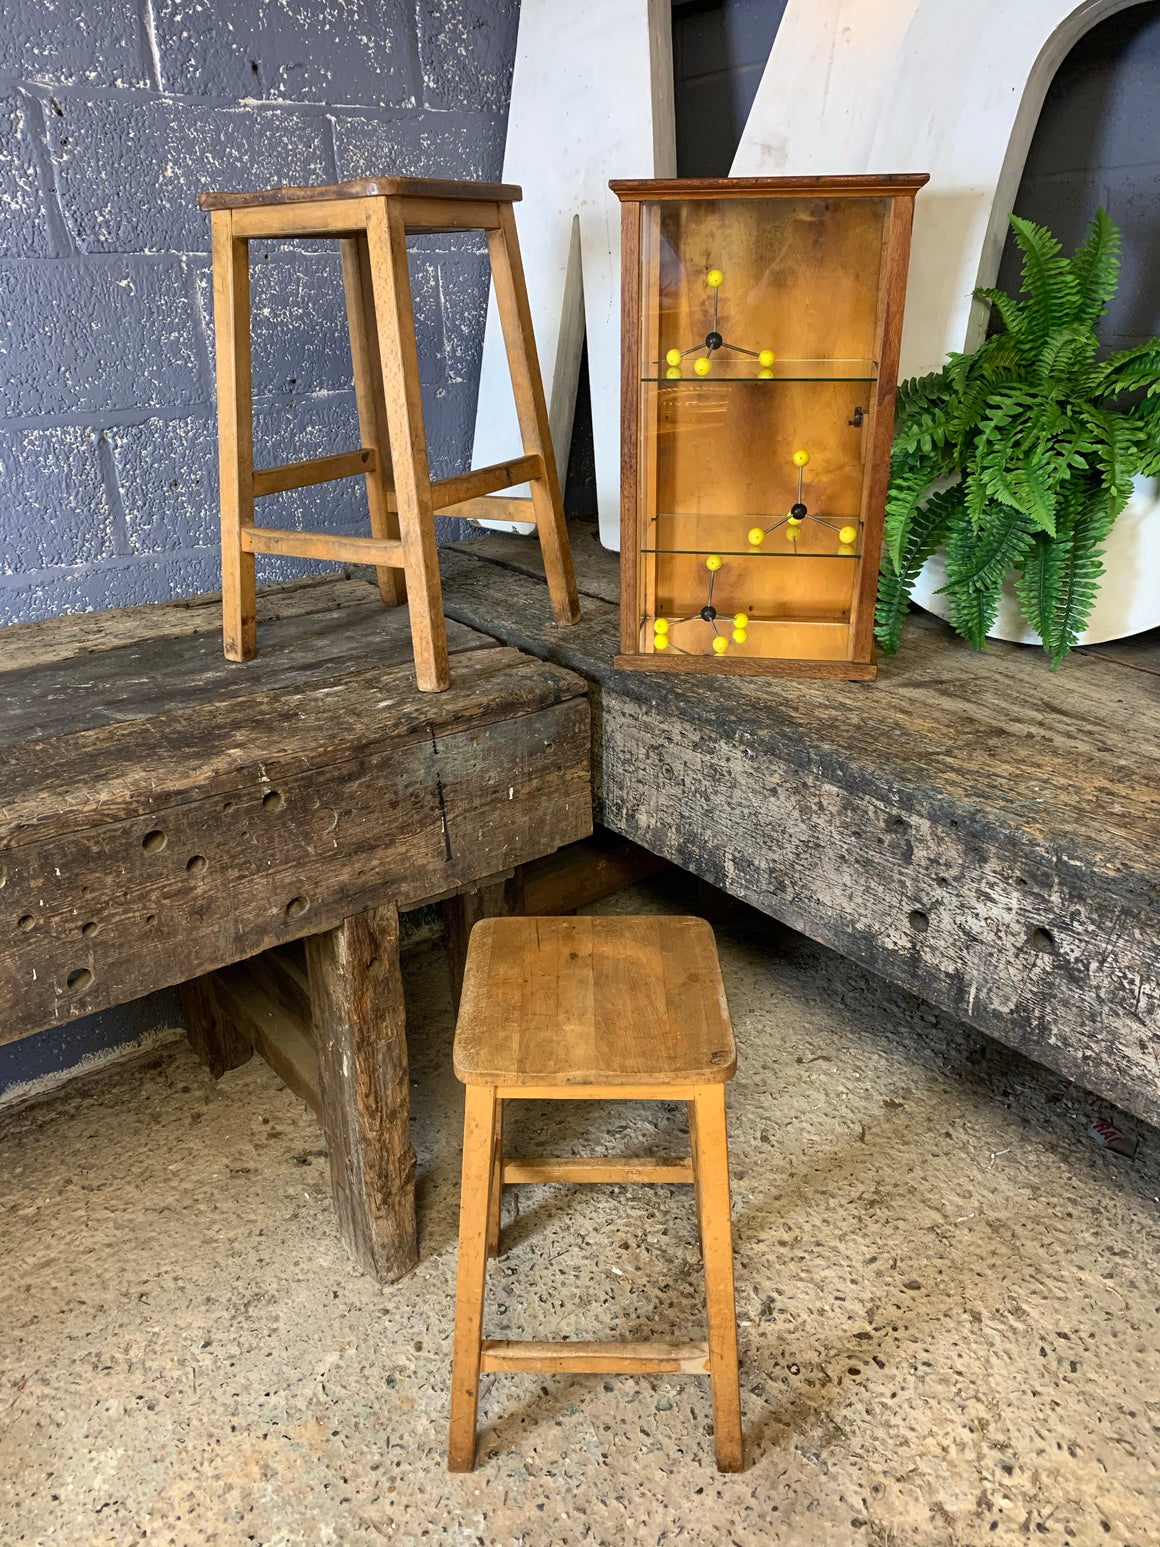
[593,1001]
[164,812]
[973,826]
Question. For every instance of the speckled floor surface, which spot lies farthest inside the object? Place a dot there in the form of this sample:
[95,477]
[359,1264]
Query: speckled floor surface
[947,1297]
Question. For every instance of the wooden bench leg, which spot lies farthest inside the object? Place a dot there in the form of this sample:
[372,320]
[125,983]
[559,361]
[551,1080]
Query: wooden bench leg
[213,1034]
[461,913]
[231,314]
[515,315]
[717,1244]
[356,997]
[387,246]
[474,1215]
[372,409]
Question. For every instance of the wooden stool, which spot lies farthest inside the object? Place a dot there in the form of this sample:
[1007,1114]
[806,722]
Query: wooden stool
[371,218]
[593,1009]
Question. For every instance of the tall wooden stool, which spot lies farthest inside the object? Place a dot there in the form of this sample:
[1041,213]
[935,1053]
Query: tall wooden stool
[371,218]
[593,1009]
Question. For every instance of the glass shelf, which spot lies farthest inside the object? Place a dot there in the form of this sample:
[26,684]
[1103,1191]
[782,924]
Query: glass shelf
[744,368]
[787,552]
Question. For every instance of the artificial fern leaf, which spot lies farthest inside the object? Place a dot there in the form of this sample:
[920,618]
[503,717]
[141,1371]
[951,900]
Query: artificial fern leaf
[926,531]
[1080,568]
[1096,267]
[1049,283]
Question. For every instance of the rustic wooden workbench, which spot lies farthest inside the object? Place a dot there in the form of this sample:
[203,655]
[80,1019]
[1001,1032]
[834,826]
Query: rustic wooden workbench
[165,813]
[972,825]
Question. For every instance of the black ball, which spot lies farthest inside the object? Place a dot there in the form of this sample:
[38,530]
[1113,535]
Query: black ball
[798,511]
[708,613]
[713,340]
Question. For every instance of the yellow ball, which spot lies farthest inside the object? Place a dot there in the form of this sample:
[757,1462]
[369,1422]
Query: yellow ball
[793,531]
[674,357]
[800,458]
[740,619]
[845,549]
[765,375]
[847,534]
[715,277]
[720,645]
[673,373]
[756,537]
[713,561]
[766,357]
[660,641]
[703,367]
[661,626]
[739,636]
[793,521]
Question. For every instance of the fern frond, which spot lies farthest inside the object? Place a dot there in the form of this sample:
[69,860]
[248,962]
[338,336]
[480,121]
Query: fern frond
[925,533]
[1049,283]
[1096,266]
[1079,564]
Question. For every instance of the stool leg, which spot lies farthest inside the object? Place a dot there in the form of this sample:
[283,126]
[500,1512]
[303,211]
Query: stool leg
[496,1184]
[713,1164]
[474,1212]
[231,318]
[391,282]
[372,409]
[515,315]
[696,1174]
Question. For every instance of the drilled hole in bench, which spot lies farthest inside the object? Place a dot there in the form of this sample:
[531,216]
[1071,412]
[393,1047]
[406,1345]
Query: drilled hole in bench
[90,928]
[919,921]
[154,841]
[296,907]
[272,800]
[151,918]
[1041,939]
[79,979]
[25,923]
[196,863]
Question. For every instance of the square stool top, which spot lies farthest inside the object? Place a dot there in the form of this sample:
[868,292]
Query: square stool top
[608,1000]
[368,188]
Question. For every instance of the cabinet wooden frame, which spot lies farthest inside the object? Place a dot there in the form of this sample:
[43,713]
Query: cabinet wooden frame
[828,259]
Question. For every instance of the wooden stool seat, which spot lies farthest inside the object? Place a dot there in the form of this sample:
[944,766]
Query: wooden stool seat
[593,1001]
[610,1008]
[371,217]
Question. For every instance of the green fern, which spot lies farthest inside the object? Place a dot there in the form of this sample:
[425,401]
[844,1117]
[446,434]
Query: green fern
[1042,440]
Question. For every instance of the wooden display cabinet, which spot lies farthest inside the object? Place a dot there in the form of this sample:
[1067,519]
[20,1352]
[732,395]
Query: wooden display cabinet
[761,321]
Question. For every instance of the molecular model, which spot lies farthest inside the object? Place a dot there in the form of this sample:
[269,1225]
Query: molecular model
[736,630]
[714,341]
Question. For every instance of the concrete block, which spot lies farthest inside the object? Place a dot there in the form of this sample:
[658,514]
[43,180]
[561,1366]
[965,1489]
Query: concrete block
[467,49]
[1131,200]
[449,284]
[24,229]
[99,43]
[53,506]
[121,582]
[167,470]
[130,172]
[92,334]
[298,329]
[424,144]
[359,51]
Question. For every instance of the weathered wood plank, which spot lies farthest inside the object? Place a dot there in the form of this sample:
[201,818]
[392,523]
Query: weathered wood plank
[214,1036]
[136,858]
[974,826]
[283,1039]
[360,1036]
[156,676]
[89,633]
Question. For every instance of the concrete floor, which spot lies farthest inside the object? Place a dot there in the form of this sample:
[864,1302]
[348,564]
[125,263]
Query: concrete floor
[947,1299]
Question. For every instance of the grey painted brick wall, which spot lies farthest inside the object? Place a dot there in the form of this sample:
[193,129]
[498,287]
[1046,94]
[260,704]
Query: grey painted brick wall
[1098,142]
[114,115]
